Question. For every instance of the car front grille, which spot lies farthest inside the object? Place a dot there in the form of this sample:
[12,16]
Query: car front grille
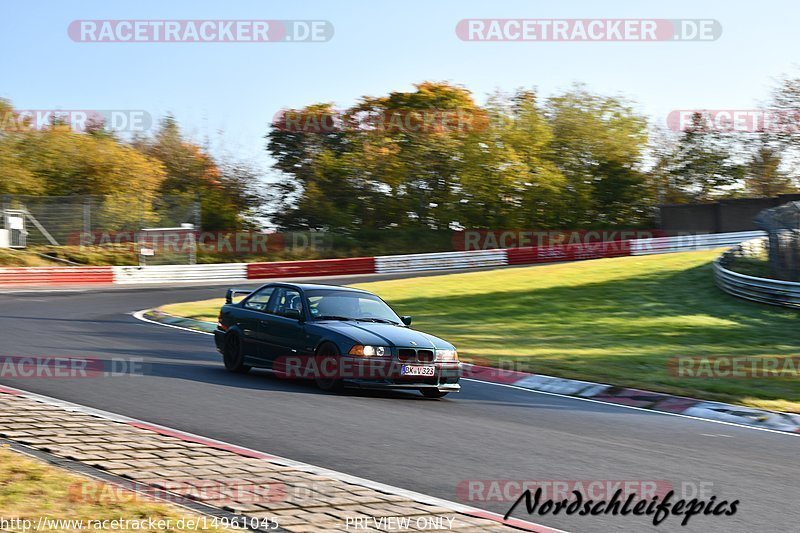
[425,356]
[412,355]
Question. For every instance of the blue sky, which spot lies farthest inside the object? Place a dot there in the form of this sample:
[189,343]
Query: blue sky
[228,92]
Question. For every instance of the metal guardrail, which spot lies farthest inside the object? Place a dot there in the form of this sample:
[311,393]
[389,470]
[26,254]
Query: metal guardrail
[180,273]
[568,252]
[768,291]
[440,261]
[320,267]
[55,275]
[763,290]
[395,263]
[682,243]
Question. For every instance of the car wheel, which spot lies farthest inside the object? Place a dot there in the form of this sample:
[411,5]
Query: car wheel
[232,355]
[433,393]
[328,384]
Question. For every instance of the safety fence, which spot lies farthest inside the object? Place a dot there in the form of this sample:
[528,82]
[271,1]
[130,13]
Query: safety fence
[232,272]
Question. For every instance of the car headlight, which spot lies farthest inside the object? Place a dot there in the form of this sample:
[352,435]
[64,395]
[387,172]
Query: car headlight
[368,351]
[447,355]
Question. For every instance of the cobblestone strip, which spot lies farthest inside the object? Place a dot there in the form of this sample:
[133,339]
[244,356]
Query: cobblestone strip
[253,486]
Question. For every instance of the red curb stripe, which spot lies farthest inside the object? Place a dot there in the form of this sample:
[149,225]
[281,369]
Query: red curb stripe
[12,392]
[652,401]
[495,375]
[319,267]
[677,404]
[199,440]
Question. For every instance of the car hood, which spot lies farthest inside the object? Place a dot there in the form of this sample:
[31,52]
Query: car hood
[374,334]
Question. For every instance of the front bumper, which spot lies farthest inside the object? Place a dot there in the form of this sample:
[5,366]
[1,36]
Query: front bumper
[445,379]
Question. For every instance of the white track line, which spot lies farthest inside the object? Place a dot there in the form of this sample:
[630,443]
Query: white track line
[635,408]
[139,315]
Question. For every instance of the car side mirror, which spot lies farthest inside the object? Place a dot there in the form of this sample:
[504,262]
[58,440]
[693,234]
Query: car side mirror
[293,313]
[406,320]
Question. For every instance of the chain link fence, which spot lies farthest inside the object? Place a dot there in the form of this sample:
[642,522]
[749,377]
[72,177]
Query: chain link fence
[97,221]
[782,225]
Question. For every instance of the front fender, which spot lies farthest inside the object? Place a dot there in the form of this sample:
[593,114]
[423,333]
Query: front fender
[343,344]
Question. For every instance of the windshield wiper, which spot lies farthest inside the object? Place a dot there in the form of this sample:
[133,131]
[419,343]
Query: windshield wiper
[333,317]
[379,320]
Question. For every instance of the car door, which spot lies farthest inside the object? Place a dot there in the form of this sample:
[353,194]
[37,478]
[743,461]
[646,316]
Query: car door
[285,325]
[251,323]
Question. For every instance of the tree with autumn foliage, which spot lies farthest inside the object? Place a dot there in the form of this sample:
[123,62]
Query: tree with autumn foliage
[56,161]
[131,178]
[225,192]
[433,158]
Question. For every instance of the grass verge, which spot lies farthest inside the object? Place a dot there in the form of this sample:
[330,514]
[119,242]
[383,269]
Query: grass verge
[31,489]
[616,321]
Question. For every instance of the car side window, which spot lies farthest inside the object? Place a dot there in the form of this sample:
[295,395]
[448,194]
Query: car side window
[259,300]
[287,302]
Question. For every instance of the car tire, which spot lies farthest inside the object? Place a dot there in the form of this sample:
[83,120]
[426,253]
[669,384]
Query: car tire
[328,349]
[232,355]
[433,393]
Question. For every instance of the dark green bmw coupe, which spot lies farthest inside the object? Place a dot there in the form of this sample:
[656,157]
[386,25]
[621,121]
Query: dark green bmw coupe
[336,336]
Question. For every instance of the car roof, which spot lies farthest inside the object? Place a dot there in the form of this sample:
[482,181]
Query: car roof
[317,286]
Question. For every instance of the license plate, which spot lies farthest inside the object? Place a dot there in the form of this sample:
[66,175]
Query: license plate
[415,370]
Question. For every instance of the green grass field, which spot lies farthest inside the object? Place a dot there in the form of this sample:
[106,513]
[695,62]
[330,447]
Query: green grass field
[616,321]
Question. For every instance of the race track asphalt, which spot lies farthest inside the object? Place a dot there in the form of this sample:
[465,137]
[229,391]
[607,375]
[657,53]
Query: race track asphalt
[486,432]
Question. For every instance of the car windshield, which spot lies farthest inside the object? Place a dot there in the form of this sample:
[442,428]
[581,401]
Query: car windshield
[349,305]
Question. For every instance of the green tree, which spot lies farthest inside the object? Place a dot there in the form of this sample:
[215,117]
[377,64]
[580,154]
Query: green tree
[598,145]
[508,177]
[227,194]
[432,158]
[314,190]
[384,164]
[704,167]
[764,175]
